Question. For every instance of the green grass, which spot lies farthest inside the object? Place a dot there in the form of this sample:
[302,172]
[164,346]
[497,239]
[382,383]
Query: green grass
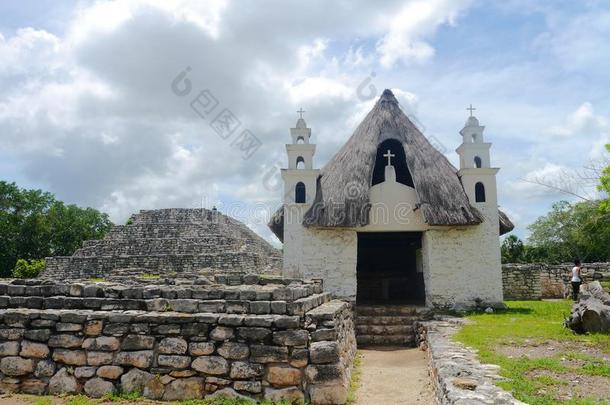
[123,396]
[80,400]
[42,401]
[536,321]
[97,280]
[605,285]
[355,381]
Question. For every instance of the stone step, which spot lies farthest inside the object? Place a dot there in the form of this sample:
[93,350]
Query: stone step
[389,340]
[384,330]
[390,310]
[385,320]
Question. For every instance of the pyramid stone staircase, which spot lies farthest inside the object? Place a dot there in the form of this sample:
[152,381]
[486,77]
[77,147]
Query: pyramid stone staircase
[173,242]
[388,325]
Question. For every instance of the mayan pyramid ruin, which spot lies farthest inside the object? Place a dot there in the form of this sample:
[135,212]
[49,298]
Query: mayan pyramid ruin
[175,243]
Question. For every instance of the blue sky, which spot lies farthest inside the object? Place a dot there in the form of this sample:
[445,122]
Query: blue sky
[87,112]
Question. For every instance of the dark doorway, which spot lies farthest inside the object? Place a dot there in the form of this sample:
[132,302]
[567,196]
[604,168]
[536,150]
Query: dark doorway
[389,269]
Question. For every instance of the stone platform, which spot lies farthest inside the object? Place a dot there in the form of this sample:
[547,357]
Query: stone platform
[262,338]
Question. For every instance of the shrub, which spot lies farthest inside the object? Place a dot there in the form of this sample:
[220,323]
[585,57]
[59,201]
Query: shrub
[25,269]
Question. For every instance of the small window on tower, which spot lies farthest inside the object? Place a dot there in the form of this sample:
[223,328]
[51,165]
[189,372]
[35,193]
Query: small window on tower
[300,163]
[299,193]
[479,192]
[300,139]
[477,162]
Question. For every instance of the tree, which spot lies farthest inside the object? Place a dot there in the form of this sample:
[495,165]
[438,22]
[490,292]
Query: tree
[570,230]
[604,185]
[512,250]
[34,225]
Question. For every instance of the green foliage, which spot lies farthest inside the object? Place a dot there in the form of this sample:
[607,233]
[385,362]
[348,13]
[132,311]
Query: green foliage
[123,396]
[570,230]
[604,185]
[25,269]
[149,276]
[512,250]
[355,381]
[532,323]
[34,225]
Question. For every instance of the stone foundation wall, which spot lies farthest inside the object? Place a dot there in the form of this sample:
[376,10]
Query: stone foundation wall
[538,280]
[457,375]
[256,348]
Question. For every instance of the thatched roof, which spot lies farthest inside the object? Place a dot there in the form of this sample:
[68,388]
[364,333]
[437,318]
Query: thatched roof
[276,223]
[342,194]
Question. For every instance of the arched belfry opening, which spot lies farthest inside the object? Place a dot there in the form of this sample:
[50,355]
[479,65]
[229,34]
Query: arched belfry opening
[477,162]
[397,158]
[299,193]
[300,164]
[479,192]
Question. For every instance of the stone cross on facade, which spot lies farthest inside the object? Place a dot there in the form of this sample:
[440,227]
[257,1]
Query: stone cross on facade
[389,155]
[301,111]
[471,109]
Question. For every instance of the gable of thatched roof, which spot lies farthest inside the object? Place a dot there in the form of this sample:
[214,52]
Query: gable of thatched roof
[342,195]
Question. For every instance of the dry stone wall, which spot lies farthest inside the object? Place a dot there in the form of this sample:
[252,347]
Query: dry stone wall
[286,340]
[172,242]
[534,281]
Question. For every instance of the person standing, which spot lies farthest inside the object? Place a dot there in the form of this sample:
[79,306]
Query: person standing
[576,279]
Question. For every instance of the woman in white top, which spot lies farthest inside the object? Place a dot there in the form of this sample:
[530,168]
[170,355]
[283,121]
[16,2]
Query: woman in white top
[576,280]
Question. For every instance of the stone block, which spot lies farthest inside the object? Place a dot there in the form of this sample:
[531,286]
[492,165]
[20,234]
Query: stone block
[234,351]
[173,361]
[221,333]
[102,343]
[116,329]
[324,352]
[16,366]
[154,389]
[45,368]
[260,307]
[9,348]
[263,321]
[63,383]
[268,354]
[328,394]
[99,358]
[140,359]
[36,350]
[94,328]
[201,348]
[278,307]
[253,387]
[110,372]
[68,327]
[241,370]
[97,387]
[84,372]
[299,357]
[253,334]
[194,329]
[138,342]
[291,395]
[184,388]
[65,341]
[33,386]
[294,337]
[40,335]
[214,365]
[13,333]
[172,346]
[283,375]
[70,357]
[325,374]
[135,380]
[287,322]
[231,320]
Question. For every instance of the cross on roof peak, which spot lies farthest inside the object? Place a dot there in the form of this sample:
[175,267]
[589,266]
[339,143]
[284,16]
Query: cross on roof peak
[301,111]
[471,109]
[389,155]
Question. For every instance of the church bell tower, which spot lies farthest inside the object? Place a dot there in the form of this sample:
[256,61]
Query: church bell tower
[476,173]
[300,177]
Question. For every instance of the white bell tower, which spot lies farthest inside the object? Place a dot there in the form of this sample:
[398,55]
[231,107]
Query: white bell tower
[476,173]
[300,177]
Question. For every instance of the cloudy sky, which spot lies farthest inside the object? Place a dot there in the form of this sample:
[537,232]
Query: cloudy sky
[88,110]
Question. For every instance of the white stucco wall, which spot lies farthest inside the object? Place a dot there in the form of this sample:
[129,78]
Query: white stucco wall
[327,254]
[463,264]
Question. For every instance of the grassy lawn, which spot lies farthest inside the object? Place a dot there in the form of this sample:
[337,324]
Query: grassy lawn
[543,362]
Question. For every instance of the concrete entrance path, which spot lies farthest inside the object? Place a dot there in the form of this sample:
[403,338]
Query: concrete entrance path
[393,376]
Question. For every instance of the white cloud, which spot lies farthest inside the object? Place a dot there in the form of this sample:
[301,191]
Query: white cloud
[417,20]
